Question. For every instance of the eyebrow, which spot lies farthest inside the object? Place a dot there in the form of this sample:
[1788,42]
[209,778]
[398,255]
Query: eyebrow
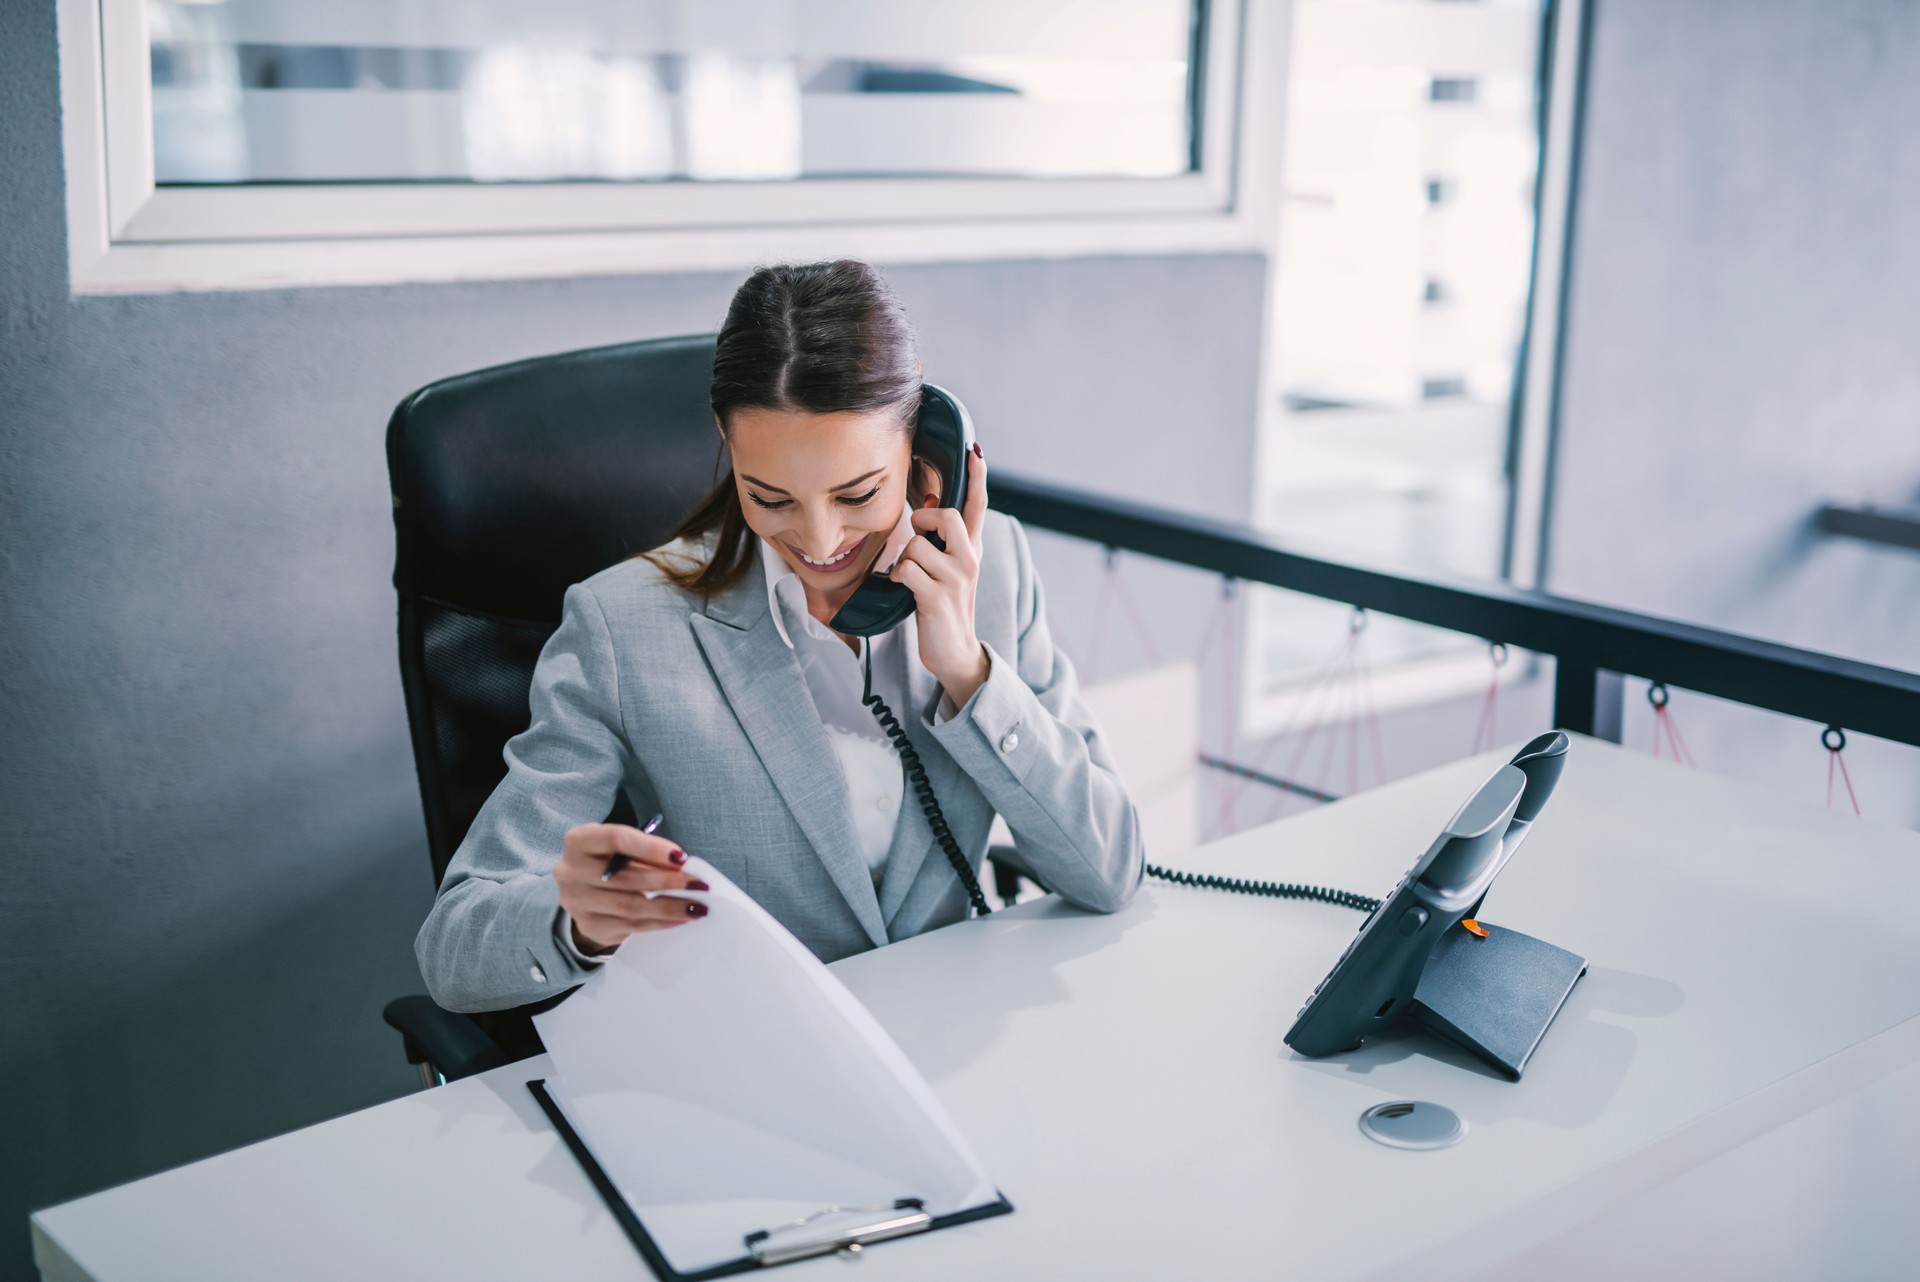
[844,485]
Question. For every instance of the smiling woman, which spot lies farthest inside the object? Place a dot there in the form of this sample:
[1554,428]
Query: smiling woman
[704,680]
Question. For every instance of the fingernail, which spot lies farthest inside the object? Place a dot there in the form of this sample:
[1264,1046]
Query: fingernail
[694,883]
[930,500]
[978,452]
[677,857]
[696,910]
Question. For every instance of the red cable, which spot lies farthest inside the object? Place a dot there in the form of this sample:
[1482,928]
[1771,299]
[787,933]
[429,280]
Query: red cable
[1487,727]
[1139,619]
[1326,673]
[1373,715]
[1309,711]
[1353,746]
[1834,758]
[1228,677]
[1334,723]
[1099,633]
[1679,740]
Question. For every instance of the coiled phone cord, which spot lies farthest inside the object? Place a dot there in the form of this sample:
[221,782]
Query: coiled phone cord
[1271,889]
[917,774]
[937,821]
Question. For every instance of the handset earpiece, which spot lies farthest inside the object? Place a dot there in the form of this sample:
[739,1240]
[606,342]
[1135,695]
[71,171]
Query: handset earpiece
[1469,850]
[1542,761]
[943,437]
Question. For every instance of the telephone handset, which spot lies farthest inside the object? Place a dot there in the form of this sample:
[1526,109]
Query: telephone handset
[942,439]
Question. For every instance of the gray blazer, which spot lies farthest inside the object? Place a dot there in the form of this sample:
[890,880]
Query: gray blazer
[696,708]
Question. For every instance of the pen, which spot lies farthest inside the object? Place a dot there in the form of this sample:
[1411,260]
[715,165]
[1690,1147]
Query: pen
[619,861]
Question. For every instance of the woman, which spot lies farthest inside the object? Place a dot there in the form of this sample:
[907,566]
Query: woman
[702,679]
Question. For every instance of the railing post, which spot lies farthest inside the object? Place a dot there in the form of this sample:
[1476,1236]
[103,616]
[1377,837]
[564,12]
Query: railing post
[1588,700]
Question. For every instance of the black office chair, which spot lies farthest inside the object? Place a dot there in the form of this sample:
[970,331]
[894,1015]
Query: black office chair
[510,484]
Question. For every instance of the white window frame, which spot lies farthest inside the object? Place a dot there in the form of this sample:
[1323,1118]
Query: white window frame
[128,235]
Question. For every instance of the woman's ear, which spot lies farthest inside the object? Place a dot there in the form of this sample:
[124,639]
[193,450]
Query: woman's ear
[923,479]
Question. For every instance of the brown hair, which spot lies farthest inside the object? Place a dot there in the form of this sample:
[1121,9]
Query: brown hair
[818,338]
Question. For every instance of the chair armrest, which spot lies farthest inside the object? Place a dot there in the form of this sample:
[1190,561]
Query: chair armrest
[1008,869]
[450,1044]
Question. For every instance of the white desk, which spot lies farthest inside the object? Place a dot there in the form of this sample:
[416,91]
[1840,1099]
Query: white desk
[1124,1077]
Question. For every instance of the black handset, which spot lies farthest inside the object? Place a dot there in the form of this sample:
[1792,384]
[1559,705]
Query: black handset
[942,438]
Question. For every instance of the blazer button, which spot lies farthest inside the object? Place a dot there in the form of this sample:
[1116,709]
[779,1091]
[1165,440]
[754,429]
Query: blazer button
[1011,742]
[539,976]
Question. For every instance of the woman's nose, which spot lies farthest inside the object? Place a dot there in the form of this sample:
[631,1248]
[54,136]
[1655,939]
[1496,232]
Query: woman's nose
[820,537]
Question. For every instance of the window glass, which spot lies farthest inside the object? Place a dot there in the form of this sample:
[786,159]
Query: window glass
[289,91]
[1401,291]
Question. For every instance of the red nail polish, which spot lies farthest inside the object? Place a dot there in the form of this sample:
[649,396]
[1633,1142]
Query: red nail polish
[930,500]
[978,452]
[677,857]
[696,910]
[697,884]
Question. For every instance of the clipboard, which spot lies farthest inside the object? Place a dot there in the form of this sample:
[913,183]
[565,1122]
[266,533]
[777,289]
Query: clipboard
[736,1107]
[854,1229]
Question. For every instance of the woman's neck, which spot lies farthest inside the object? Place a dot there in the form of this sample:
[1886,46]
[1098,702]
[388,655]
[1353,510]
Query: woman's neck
[824,607]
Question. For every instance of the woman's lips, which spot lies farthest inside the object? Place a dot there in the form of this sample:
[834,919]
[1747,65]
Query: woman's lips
[841,560]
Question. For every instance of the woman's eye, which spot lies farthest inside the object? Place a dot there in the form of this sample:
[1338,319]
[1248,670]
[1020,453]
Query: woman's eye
[771,507]
[856,502]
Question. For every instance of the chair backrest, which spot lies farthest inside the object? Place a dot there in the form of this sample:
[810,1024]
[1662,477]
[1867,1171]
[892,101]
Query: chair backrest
[509,485]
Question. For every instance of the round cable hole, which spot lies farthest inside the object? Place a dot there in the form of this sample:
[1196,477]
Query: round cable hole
[1413,1124]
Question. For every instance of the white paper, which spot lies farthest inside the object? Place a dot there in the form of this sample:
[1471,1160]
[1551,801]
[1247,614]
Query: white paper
[727,1082]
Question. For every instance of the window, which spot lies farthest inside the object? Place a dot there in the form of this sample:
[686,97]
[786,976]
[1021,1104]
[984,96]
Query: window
[1403,289]
[229,143]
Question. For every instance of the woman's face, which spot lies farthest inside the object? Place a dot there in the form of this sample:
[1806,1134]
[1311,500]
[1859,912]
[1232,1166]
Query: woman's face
[824,489]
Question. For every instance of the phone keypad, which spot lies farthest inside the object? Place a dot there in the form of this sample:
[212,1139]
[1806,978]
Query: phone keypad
[1355,941]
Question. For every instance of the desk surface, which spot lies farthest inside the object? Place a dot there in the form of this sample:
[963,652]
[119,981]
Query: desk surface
[1124,1078]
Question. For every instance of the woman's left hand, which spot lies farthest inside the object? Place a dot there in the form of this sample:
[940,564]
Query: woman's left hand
[943,586]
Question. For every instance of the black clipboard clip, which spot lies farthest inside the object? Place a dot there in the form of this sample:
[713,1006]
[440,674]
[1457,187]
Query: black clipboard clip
[842,1229]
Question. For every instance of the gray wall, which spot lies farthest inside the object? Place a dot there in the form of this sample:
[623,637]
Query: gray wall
[213,840]
[1744,327]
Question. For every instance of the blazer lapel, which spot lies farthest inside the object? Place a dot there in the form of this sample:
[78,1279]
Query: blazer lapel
[761,680]
[913,840]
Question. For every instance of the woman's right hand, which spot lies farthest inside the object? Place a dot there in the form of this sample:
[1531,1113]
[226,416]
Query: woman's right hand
[605,912]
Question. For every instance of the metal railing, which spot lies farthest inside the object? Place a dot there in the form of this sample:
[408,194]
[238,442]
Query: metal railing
[1594,645]
[1888,527]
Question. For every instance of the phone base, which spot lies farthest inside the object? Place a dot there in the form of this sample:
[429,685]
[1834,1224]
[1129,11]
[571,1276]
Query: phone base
[1494,996]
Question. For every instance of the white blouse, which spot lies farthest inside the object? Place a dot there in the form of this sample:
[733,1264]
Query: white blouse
[875,778]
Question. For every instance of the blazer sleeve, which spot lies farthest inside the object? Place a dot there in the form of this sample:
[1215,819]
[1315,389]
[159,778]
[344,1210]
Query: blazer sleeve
[490,940]
[1032,747]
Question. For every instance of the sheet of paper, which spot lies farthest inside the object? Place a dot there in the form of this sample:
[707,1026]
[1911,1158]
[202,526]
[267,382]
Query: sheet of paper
[727,1082]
